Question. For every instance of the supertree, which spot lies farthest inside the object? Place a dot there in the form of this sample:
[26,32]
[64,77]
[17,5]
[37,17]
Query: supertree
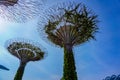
[20,10]
[68,25]
[113,77]
[25,51]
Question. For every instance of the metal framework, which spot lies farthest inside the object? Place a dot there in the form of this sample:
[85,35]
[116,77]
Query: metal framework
[20,10]
[8,2]
[68,23]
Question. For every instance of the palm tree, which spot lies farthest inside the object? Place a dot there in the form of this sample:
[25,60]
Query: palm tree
[25,51]
[113,77]
[69,25]
[20,10]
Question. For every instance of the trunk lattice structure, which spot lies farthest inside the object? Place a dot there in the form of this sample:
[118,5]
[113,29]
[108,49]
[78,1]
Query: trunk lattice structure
[20,71]
[69,64]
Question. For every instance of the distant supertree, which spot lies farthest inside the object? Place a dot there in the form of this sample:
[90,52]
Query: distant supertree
[25,51]
[113,77]
[68,25]
[20,10]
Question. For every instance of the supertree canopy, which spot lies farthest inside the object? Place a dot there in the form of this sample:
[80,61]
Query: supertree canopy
[8,2]
[113,77]
[20,10]
[25,51]
[67,25]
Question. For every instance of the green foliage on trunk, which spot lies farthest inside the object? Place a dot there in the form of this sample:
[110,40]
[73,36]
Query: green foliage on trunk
[69,71]
[20,71]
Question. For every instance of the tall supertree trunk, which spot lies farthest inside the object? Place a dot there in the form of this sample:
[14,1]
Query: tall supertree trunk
[20,71]
[69,71]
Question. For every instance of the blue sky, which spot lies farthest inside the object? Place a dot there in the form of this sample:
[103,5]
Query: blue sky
[94,60]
